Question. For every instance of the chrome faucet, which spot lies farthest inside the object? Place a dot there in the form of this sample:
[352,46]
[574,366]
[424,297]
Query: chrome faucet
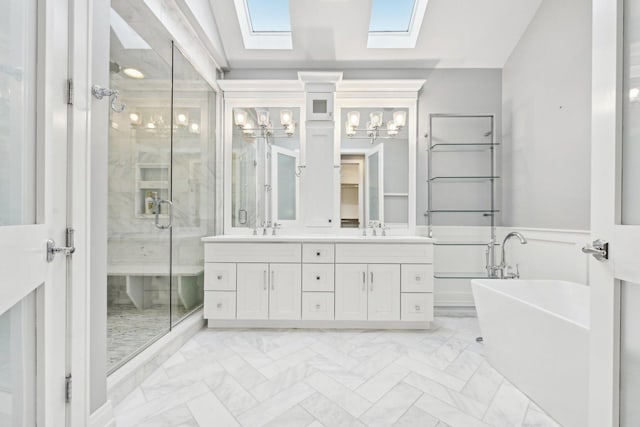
[274,227]
[503,268]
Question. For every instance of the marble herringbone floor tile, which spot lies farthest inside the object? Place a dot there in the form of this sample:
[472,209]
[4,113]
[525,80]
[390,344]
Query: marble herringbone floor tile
[331,378]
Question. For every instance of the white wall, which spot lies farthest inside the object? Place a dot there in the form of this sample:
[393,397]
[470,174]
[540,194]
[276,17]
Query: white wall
[546,105]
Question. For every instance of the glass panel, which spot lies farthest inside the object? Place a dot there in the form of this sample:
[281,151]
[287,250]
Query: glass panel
[269,15]
[193,190]
[17,111]
[629,354]
[631,115]
[286,187]
[139,176]
[373,187]
[18,364]
[383,152]
[391,15]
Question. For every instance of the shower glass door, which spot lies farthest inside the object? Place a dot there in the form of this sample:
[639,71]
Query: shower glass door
[161,184]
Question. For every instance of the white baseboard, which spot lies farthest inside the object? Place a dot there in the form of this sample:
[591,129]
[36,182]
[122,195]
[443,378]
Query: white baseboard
[103,416]
[318,324]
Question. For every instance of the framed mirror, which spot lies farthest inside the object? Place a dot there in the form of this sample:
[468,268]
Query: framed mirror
[375,148]
[262,163]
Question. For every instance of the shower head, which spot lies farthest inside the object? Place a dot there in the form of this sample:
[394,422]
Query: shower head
[114,67]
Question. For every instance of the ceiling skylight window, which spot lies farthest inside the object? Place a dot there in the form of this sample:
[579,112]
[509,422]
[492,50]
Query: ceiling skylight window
[391,15]
[264,24]
[269,16]
[395,24]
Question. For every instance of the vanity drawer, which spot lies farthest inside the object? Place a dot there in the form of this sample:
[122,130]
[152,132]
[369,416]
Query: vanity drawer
[318,253]
[416,307]
[219,276]
[317,277]
[417,278]
[317,305]
[252,252]
[382,252]
[219,305]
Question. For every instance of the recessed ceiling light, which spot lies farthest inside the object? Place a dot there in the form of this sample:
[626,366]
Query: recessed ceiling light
[133,73]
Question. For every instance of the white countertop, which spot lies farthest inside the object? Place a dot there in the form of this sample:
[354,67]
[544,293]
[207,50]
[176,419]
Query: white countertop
[320,238]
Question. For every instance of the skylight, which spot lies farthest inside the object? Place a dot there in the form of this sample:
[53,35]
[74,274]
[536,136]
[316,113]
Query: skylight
[129,38]
[391,15]
[269,16]
[395,24]
[264,24]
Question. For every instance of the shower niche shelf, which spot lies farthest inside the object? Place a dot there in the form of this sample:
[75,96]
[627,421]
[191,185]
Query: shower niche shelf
[151,178]
[462,209]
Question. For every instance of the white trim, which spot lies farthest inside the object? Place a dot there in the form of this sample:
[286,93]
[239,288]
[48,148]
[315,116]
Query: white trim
[400,40]
[261,86]
[412,86]
[103,416]
[260,40]
[318,324]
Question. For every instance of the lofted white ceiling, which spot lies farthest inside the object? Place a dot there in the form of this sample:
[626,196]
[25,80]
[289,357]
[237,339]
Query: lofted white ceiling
[333,34]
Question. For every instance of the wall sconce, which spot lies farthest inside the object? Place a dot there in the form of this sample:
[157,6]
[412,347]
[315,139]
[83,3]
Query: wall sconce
[240,118]
[375,125]
[286,117]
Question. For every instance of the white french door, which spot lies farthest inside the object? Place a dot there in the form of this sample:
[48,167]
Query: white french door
[615,215]
[33,198]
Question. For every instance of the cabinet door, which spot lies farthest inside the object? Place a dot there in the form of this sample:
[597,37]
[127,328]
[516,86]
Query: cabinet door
[351,292]
[384,292]
[252,291]
[285,296]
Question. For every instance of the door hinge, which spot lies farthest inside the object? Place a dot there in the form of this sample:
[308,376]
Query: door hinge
[67,250]
[67,388]
[69,91]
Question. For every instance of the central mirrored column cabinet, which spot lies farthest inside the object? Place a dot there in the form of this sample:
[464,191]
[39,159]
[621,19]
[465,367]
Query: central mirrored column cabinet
[319,206]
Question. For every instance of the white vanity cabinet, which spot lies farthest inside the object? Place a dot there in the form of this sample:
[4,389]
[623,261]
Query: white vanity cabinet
[317,281]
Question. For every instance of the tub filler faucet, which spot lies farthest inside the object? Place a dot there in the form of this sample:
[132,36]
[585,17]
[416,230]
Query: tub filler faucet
[504,269]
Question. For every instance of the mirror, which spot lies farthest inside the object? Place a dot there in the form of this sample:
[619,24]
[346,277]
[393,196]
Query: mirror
[265,162]
[374,167]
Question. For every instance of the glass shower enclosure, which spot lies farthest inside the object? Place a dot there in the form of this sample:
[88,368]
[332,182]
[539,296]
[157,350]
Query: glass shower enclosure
[161,193]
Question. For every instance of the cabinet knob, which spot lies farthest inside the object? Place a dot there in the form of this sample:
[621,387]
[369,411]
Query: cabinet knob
[417,308]
[317,277]
[418,278]
[219,305]
[219,276]
[318,253]
[317,306]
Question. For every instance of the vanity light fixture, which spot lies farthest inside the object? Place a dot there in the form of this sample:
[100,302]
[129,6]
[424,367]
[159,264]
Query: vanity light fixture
[375,125]
[194,128]
[240,118]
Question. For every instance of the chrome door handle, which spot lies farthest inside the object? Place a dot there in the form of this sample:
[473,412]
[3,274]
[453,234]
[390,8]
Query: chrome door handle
[264,279]
[273,280]
[364,281]
[170,224]
[372,281]
[599,249]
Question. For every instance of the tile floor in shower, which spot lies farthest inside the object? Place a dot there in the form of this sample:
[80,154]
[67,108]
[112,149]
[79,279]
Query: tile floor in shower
[129,329]
[331,378]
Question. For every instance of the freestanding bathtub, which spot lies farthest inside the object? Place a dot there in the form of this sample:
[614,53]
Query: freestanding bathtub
[536,333]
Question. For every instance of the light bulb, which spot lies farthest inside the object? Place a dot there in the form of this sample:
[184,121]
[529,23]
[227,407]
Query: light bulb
[353,118]
[182,119]
[248,128]
[240,118]
[133,73]
[351,131]
[286,117]
[135,119]
[392,129]
[376,119]
[400,118]
[263,118]
[194,128]
[633,94]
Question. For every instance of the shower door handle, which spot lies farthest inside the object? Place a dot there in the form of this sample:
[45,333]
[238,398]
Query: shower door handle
[599,249]
[157,209]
